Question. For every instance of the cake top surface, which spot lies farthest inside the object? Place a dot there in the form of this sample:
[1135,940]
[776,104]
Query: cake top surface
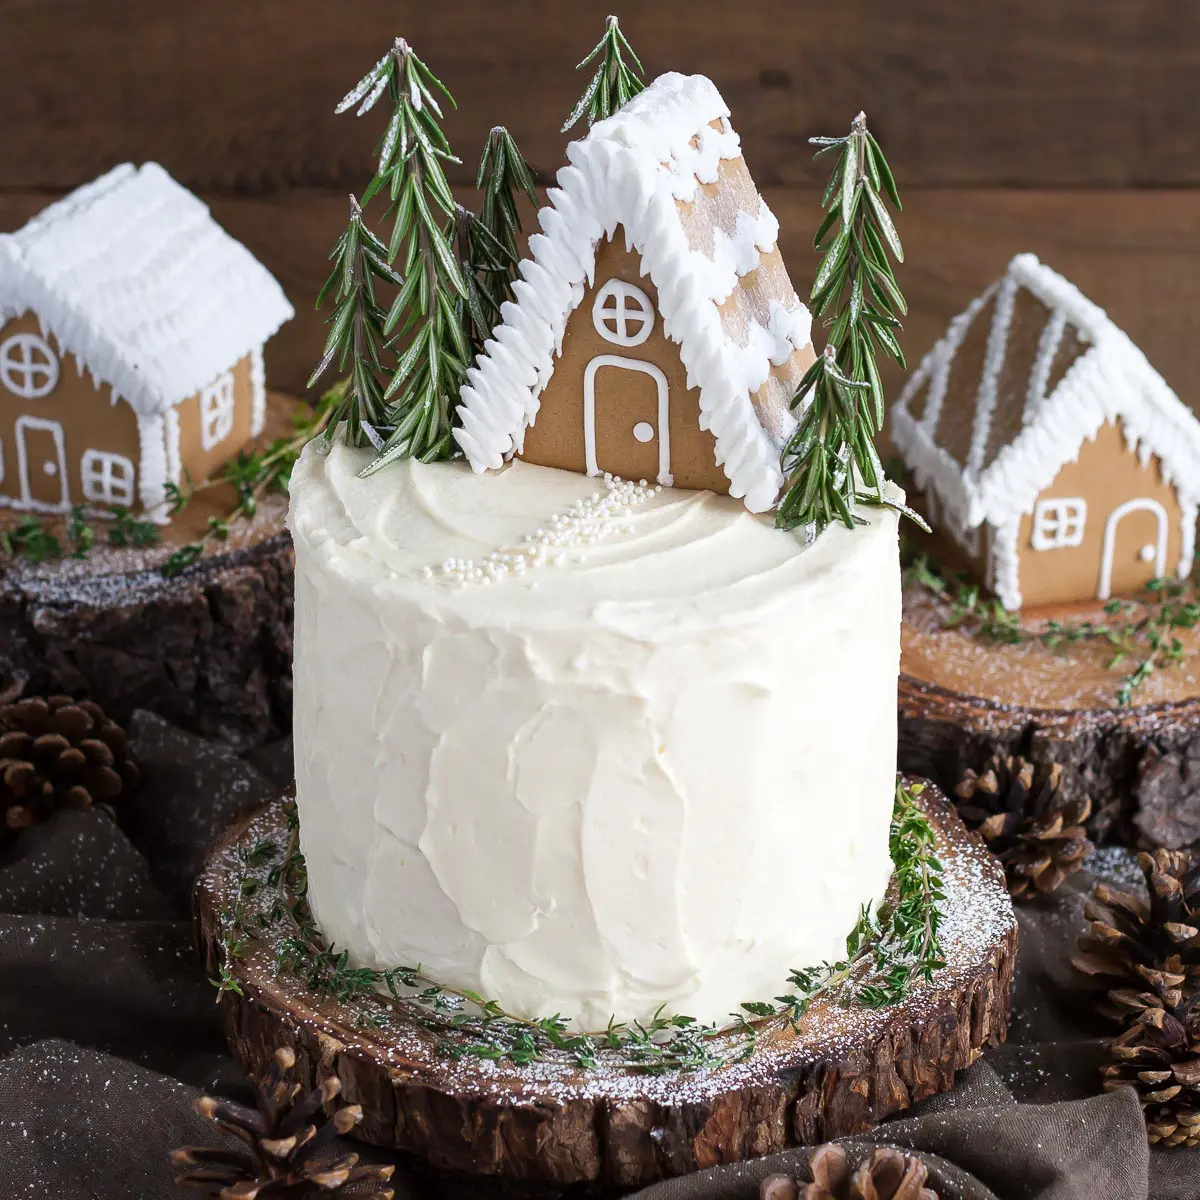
[999,478]
[654,168]
[645,551]
[131,274]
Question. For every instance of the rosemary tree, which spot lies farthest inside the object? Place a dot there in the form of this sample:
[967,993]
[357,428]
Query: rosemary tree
[356,330]
[484,264]
[425,319]
[831,455]
[615,82]
[504,176]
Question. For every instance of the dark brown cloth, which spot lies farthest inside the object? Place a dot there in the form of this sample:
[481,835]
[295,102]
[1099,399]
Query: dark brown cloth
[108,1028]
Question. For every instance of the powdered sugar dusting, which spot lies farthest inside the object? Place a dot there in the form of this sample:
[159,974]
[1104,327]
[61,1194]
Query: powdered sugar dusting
[977,933]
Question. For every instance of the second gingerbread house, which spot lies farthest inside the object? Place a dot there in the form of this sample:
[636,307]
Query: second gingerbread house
[131,335]
[1046,447]
[655,333]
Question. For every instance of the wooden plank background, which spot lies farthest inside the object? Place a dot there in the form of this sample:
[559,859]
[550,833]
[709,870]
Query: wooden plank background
[1067,127]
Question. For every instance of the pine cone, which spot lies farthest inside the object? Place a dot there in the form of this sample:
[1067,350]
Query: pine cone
[889,1174]
[1019,809]
[1145,953]
[1159,1057]
[57,752]
[285,1136]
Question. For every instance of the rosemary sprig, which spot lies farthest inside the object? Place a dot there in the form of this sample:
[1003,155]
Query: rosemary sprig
[485,266]
[615,82]
[884,955]
[356,331]
[504,177]
[424,322]
[1141,635]
[831,454]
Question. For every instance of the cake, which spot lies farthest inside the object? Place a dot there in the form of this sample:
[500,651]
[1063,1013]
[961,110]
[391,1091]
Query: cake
[660,771]
[576,738]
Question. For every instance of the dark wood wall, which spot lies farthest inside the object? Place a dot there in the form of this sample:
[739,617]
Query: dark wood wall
[1067,127]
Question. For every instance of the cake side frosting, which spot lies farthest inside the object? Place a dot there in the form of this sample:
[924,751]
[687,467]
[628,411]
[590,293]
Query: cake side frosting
[656,769]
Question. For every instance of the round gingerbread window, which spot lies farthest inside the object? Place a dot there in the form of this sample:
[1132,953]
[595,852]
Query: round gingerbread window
[28,366]
[623,314]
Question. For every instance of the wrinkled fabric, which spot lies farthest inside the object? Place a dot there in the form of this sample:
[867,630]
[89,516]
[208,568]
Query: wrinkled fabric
[109,1030]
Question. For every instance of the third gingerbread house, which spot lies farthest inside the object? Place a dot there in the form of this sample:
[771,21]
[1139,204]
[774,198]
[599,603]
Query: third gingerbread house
[1048,449]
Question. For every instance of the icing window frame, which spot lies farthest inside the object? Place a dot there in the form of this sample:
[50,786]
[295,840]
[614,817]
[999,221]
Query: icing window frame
[107,478]
[1059,523]
[27,367]
[628,303]
[217,406]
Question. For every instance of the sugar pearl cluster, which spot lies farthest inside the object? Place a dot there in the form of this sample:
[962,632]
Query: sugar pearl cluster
[598,516]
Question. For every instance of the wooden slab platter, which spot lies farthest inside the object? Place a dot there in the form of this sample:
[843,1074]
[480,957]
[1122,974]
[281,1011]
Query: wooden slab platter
[551,1122]
[208,648]
[963,698]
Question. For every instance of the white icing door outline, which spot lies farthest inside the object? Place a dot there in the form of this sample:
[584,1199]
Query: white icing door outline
[1141,504]
[589,411]
[56,432]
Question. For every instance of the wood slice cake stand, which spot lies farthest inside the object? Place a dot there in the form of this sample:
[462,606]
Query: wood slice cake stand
[209,648]
[555,1123]
[963,698]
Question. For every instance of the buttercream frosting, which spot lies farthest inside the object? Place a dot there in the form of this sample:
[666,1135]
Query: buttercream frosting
[656,767]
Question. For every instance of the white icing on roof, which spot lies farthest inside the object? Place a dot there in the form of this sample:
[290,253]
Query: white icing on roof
[631,170]
[132,275]
[1112,379]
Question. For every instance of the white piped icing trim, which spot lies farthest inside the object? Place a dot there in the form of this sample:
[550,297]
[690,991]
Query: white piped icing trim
[631,170]
[171,435]
[258,392]
[1111,380]
[152,463]
[131,274]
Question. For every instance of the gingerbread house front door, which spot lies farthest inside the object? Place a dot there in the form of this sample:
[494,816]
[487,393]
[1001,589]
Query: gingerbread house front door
[42,465]
[626,418]
[1135,533]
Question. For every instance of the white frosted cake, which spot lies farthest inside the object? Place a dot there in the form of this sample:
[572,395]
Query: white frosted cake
[588,747]
[659,772]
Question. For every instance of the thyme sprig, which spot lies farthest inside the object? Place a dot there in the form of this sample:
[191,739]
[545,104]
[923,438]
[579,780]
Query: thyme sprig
[830,457]
[615,81]
[1142,635]
[885,954]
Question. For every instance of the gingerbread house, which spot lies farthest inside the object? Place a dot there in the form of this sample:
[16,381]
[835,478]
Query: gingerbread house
[1047,449]
[131,335]
[655,333]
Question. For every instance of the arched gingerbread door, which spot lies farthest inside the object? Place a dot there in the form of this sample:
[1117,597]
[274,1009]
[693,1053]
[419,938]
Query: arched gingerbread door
[1151,550]
[649,435]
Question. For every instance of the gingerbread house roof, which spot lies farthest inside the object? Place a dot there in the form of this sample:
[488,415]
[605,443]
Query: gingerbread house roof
[132,275]
[989,441]
[705,238]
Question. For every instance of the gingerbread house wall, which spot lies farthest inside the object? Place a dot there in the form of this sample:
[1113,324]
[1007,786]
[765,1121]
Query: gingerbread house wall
[77,415]
[624,397]
[1106,476]
[193,457]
